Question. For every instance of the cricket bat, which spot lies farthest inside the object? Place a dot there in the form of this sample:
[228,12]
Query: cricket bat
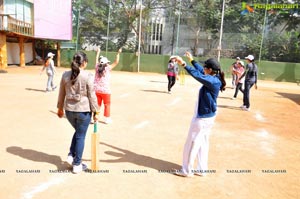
[182,77]
[94,152]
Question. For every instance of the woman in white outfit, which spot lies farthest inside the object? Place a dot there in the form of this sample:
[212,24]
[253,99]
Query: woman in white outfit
[197,143]
[50,71]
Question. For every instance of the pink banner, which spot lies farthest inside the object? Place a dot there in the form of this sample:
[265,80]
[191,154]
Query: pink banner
[53,19]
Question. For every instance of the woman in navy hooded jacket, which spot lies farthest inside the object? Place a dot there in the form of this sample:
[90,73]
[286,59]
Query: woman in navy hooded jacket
[197,142]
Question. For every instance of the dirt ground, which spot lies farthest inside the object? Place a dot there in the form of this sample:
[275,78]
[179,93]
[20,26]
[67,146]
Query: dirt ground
[252,154]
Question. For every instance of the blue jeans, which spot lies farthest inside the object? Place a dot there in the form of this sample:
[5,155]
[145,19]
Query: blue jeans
[50,84]
[80,122]
[246,98]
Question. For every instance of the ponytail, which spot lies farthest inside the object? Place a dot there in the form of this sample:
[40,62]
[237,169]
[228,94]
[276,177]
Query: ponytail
[47,62]
[222,79]
[101,69]
[78,59]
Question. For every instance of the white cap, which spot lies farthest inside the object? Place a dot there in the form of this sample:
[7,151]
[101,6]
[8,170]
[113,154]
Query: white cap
[50,54]
[250,57]
[242,63]
[173,57]
[104,60]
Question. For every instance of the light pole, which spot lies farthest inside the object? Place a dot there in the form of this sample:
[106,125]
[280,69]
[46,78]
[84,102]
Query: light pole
[140,34]
[107,33]
[77,28]
[262,34]
[221,31]
[178,24]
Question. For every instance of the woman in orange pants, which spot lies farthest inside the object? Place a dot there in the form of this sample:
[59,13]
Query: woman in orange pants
[102,82]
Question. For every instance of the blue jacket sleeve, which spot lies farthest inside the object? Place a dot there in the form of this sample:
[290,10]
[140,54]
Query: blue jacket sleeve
[198,73]
[198,66]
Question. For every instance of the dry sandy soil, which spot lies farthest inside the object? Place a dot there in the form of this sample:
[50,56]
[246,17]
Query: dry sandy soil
[252,154]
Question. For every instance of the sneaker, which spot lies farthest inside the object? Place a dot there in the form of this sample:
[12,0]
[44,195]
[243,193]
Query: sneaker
[246,109]
[181,174]
[53,88]
[108,120]
[233,98]
[200,174]
[243,106]
[79,168]
[70,160]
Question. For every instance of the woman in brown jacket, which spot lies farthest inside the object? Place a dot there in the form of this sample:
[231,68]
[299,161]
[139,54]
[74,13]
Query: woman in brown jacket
[77,97]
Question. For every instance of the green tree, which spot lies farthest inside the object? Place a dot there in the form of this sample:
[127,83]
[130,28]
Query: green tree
[123,22]
[246,30]
[203,17]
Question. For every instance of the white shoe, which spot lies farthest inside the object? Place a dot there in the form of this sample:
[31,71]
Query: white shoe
[243,106]
[181,174]
[53,88]
[233,98]
[246,109]
[200,174]
[108,120]
[79,168]
[70,160]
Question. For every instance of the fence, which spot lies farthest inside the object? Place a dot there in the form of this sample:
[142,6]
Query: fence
[268,70]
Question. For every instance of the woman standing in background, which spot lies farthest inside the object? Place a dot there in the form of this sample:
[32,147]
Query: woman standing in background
[172,73]
[50,71]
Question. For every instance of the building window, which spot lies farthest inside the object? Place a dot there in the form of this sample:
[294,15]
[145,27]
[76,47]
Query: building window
[152,31]
[161,30]
[154,49]
[156,31]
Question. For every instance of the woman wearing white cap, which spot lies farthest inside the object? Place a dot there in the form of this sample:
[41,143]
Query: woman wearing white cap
[50,70]
[234,66]
[239,71]
[250,79]
[172,72]
[102,82]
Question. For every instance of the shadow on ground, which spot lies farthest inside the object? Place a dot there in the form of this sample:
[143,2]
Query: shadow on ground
[37,90]
[291,96]
[229,107]
[124,155]
[154,91]
[38,156]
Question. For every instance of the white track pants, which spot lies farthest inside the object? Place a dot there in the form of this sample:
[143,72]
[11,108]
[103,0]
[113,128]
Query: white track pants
[197,145]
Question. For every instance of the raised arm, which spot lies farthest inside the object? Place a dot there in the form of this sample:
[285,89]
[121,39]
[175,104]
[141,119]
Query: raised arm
[115,63]
[189,56]
[196,71]
[97,55]
[195,64]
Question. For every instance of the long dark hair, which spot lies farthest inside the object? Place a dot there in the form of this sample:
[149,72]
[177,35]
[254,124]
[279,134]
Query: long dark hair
[78,59]
[221,75]
[222,79]
[216,70]
[47,61]
[101,69]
